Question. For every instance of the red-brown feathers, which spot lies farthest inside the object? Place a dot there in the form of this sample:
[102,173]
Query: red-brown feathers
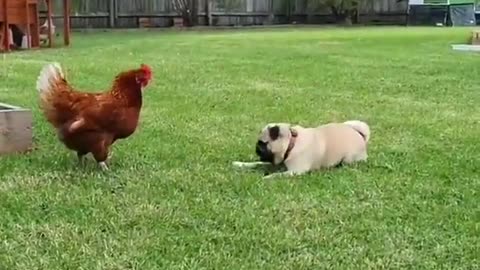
[88,122]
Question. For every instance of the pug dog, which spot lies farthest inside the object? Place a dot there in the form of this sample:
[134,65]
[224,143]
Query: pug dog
[304,149]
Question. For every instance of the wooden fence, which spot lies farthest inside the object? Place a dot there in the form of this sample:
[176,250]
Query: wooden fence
[160,13]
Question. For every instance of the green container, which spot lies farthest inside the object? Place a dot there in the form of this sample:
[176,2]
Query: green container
[456,2]
[436,2]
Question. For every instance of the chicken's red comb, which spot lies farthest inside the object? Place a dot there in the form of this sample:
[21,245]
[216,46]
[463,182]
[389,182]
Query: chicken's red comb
[146,68]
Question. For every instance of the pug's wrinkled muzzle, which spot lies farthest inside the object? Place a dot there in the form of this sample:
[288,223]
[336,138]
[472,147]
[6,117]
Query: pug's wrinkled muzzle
[263,152]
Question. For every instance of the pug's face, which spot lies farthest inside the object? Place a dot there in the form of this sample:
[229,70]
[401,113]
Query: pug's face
[273,142]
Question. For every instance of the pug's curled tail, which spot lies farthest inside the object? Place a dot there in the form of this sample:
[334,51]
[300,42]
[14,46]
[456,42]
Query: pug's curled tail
[361,127]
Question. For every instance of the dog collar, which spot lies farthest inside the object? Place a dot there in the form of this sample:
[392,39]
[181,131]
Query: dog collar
[291,144]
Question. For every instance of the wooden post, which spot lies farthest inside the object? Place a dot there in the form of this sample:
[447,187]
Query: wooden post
[209,12]
[66,22]
[271,12]
[2,36]
[36,27]
[111,13]
[289,11]
[249,6]
[49,23]
[29,33]
[6,33]
[194,12]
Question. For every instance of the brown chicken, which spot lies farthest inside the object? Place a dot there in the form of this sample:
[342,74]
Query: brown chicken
[92,122]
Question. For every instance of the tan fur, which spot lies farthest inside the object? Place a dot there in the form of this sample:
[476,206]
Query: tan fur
[316,148]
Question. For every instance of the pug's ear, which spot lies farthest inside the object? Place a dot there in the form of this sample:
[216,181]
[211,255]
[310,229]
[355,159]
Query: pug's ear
[274,132]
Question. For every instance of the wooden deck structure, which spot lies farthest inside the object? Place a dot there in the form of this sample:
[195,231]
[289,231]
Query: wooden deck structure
[25,14]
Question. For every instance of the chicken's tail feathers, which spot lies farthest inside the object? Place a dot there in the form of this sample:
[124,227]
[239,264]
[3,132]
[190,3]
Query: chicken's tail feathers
[48,78]
[50,83]
[361,127]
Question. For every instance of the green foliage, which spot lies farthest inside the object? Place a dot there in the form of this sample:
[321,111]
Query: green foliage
[341,4]
[343,10]
[316,5]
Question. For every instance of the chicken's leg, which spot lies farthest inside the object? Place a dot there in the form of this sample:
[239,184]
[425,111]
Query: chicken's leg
[101,158]
[101,154]
[81,158]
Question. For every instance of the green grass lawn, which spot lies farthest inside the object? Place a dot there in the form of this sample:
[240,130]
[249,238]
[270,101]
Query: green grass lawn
[172,200]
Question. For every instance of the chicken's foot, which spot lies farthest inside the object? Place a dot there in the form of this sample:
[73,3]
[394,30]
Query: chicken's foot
[103,165]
